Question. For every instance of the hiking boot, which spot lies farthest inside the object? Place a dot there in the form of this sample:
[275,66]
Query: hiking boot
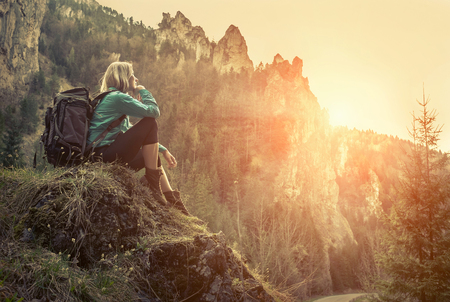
[174,199]
[153,177]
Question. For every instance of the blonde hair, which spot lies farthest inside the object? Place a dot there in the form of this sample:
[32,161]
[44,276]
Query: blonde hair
[117,75]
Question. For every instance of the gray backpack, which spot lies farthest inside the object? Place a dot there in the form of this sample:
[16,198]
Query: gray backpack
[67,127]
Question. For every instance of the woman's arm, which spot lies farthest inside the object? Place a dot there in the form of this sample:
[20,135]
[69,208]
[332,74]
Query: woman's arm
[128,105]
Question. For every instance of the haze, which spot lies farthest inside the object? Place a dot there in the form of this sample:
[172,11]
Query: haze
[366,60]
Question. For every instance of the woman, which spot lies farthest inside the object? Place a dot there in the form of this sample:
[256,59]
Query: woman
[136,146]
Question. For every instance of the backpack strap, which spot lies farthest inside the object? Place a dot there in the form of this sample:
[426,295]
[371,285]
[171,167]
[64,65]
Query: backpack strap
[100,97]
[114,124]
[99,138]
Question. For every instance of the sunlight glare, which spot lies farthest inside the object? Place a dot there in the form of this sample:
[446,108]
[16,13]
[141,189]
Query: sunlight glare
[339,116]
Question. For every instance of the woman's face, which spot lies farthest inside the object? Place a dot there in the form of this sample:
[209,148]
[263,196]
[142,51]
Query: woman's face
[132,82]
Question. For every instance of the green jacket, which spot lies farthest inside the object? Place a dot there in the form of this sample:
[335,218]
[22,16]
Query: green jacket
[116,104]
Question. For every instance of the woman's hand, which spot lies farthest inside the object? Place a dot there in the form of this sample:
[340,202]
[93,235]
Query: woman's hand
[136,93]
[171,161]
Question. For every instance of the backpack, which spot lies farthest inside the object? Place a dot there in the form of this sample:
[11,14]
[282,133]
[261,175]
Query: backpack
[67,127]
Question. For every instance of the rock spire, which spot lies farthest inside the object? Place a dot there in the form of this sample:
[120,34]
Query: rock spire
[231,52]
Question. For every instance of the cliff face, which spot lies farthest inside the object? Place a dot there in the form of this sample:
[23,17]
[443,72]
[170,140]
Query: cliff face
[69,12]
[231,52]
[179,30]
[307,177]
[363,162]
[20,23]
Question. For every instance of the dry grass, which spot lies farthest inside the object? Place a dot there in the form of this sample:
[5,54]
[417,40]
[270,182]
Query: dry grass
[41,203]
[29,272]
[110,230]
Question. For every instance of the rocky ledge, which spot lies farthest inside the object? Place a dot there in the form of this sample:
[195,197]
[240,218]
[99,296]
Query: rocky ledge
[95,233]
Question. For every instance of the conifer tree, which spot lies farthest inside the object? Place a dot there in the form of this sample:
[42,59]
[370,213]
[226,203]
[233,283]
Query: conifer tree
[416,257]
[11,154]
[28,114]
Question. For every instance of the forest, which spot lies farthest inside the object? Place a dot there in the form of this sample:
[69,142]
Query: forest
[235,147]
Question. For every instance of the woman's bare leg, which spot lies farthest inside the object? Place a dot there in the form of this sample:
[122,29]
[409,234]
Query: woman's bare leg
[150,154]
[165,185]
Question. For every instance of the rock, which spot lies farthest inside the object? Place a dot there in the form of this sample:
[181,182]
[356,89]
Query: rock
[69,12]
[65,226]
[176,259]
[231,52]
[209,271]
[20,24]
[311,165]
[179,30]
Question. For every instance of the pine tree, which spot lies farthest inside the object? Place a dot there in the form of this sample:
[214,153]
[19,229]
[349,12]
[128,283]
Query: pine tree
[416,257]
[28,114]
[11,154]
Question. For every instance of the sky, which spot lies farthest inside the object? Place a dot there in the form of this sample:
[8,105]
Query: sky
[367,61]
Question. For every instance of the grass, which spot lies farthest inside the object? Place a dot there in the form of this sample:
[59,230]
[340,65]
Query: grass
[94,233]
[31,271]
[43,205]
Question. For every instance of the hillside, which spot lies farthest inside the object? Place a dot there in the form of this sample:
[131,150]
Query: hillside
[92,233]
[259,162]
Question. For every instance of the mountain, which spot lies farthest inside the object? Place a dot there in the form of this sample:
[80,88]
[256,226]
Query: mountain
[179,30]
[258,160]
[230,53]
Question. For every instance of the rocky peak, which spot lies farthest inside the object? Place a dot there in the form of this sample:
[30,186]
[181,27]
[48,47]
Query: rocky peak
[20,23]
[180,23]
[297,64]
[285,77]
[179,30]
[277,59]
[289,71]
[231,52]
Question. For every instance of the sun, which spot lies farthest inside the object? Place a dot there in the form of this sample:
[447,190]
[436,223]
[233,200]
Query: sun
[339,116]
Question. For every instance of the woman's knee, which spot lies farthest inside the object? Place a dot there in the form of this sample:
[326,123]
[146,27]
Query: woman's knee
[151,128]
[150,122]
